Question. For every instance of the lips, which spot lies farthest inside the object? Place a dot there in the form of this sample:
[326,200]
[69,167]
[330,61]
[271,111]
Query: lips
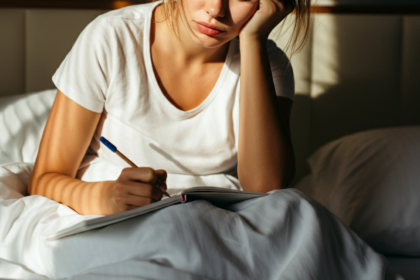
[208,29]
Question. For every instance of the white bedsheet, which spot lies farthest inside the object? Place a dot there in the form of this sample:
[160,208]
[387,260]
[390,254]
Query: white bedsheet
[285,235]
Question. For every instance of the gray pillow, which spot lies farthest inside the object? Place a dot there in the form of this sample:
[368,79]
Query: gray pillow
[371,181]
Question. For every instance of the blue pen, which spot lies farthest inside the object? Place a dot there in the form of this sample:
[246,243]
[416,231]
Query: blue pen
[114,149]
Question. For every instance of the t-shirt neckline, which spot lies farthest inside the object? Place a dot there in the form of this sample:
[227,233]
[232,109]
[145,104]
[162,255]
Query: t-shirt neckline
[152,77]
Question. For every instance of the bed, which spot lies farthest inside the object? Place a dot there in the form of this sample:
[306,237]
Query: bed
[357,66]
[370,180]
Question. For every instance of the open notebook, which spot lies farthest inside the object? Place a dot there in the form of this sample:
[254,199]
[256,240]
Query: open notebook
[218,196]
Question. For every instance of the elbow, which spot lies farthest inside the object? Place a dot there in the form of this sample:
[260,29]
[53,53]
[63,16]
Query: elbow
[261,186]
[264,184]
[282,181]
[265,177]
[32,188]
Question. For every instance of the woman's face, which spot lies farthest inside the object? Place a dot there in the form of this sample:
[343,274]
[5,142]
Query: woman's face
[215,22]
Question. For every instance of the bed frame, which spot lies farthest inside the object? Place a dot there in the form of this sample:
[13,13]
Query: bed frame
[359,70]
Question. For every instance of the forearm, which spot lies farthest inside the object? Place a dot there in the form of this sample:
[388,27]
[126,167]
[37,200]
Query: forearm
[265,155]
[83,197]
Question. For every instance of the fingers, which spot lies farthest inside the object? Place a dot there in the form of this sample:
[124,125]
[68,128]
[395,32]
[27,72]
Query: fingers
[148,175]
[277,6]
[138,187]
[141,189]
[142,174]
[138,201]
[161,174]
[135,194]
[161,182]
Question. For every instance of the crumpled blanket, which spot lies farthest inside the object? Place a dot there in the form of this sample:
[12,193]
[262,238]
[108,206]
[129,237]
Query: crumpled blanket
[285,235]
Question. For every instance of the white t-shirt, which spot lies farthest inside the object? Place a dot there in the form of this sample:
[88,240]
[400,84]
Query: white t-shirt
[109,71]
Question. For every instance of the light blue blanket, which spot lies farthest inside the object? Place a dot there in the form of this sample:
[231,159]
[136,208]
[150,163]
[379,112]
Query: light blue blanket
[285,235]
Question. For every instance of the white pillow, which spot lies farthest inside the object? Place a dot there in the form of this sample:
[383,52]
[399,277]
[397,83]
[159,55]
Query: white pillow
[22,122]
[371,181]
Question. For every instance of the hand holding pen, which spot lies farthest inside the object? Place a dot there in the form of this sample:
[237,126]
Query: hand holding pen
[137,186]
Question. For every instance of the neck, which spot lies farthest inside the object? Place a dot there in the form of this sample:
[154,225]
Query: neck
[182,47]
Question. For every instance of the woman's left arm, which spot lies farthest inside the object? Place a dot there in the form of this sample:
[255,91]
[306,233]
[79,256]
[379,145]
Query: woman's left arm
[265,153]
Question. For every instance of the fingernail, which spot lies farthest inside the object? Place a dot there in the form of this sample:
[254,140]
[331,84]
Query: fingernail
[163,188]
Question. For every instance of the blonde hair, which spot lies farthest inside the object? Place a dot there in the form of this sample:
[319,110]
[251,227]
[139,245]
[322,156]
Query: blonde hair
[300,29]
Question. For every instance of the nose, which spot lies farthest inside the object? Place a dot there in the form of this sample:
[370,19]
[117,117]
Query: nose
[216,8]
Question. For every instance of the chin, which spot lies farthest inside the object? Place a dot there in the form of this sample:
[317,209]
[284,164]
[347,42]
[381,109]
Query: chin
[210,42]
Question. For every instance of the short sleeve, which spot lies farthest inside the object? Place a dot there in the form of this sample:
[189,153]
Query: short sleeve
[84,74]
[282,71]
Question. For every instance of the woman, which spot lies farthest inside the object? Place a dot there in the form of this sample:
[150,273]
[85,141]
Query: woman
[161,81]
[175,89]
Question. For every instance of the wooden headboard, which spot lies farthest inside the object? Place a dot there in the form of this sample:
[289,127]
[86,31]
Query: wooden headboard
[109,5]
[81,4]
[359,70]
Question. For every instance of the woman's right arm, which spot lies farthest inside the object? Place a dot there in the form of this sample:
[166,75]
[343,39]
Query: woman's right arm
[67,135]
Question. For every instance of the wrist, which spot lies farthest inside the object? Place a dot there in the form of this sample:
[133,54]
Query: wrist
[253,39]
[102,197]
[251,47]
